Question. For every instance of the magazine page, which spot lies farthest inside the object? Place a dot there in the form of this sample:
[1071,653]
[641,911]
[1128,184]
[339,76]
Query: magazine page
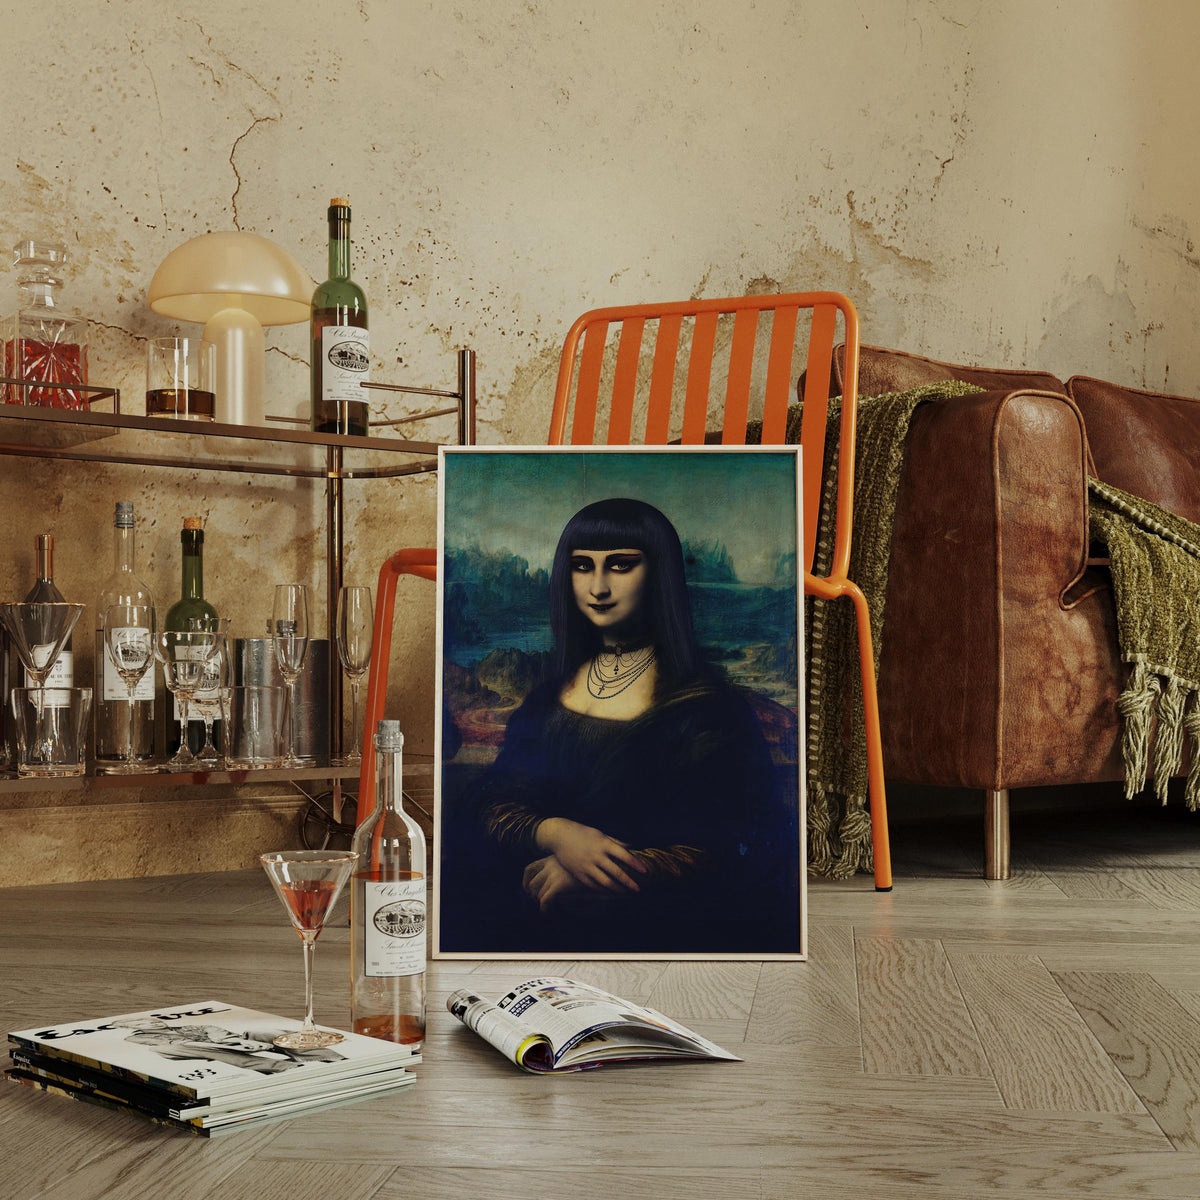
[205,1049]
[551,1023]
[507,1033]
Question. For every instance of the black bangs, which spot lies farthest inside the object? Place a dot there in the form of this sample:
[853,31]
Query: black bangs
[617,524]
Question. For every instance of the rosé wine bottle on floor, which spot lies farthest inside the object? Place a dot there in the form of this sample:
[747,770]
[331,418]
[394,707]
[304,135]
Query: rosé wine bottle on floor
[387,908]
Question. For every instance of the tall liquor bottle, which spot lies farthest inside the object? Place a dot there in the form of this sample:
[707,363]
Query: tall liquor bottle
[190,605]
[110,697]
[341,350]
[387,908]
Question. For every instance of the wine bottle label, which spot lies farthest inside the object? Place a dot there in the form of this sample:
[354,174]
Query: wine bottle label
[62,675]
[114,686]
[209,698]
[346,362]
[395,928]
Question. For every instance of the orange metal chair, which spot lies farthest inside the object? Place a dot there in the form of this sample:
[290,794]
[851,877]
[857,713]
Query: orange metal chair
[633,385]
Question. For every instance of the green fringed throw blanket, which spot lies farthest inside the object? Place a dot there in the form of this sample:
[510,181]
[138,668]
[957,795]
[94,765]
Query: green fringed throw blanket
[839,822]
[1155,563]
[1155,566]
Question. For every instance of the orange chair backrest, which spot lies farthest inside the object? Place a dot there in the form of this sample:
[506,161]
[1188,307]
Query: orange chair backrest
[631,394]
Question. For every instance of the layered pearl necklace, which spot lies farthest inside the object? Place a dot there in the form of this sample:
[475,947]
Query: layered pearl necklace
[615,669]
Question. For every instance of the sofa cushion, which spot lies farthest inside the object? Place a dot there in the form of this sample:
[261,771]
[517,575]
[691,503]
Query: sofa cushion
[1147,443]
[881,370]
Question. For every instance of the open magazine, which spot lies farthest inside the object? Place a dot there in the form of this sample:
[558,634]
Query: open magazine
[560,1025]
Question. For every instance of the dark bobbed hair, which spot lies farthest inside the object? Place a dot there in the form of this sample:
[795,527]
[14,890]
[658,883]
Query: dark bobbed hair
[617,524]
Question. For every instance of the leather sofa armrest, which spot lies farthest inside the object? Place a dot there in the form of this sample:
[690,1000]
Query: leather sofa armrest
[990,536]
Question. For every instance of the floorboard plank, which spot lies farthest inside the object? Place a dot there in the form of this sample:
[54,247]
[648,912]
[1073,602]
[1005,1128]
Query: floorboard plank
[1041,1052]
[914,1018]
[1152,1038]
[817,1005]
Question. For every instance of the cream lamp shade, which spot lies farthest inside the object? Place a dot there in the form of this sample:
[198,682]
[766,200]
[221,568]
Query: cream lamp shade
[235,283]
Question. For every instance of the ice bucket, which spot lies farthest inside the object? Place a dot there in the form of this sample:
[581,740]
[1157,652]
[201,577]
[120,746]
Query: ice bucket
[254,663]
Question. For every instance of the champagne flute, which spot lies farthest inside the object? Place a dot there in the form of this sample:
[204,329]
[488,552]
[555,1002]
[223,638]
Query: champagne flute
[355,628]
[184,656]
[207,700]
[308,883]
[289,633]
[129,642]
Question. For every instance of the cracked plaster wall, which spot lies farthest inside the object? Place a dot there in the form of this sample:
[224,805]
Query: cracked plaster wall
[1005,183]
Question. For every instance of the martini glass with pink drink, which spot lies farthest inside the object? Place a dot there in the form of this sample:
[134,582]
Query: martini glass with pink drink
[308,883]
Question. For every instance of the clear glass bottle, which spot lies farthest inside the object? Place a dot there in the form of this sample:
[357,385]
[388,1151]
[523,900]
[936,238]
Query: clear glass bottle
[110,700]
[387,908]
[43,342]
[191,604]
[341,349]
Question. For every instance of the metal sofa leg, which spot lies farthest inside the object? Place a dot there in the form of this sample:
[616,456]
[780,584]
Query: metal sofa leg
[996,843]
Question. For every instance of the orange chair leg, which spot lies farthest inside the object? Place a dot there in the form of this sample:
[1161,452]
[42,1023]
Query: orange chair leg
[880,844]
[422,563]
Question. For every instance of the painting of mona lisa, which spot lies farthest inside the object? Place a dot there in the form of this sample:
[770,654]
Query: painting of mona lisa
[619,654]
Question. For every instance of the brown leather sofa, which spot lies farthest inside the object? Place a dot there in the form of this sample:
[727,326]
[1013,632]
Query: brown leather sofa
[999,667]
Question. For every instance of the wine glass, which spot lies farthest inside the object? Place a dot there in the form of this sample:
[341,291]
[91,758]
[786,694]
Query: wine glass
[308,882]
[355,628]
[184,656]
[289,633]
[207,698]
[129,643]
[38,631]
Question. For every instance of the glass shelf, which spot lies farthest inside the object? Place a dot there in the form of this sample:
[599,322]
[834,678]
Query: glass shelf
[415,767]
[107,437]
[169,779]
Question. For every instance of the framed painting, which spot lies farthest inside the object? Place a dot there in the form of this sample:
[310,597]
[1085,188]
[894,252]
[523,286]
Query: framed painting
[619,768]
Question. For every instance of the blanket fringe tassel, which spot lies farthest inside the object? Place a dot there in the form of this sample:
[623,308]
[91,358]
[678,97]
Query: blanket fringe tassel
[1168,739]
[1136,705]
[1191,722]
[1176,707]
[839,833]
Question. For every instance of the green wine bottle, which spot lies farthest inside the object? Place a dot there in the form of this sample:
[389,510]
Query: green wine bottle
[341,349]
[191,602]
[190,605]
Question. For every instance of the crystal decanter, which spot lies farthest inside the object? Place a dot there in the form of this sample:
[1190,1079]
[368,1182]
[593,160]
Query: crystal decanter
[42,342]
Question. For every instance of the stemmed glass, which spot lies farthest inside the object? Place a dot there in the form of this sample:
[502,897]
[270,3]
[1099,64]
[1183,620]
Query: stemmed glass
[209,696]
[129,641]
[355,628]
[39,630]
[289,632]
[308,883]
[184,657]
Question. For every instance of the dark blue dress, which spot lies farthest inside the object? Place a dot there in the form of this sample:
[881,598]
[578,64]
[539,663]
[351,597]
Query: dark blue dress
[688,785]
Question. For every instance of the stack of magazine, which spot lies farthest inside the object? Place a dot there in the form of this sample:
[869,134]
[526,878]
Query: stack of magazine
[207,1067]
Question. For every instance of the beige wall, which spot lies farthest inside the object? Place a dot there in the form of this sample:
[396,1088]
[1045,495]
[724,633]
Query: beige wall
[1007,183]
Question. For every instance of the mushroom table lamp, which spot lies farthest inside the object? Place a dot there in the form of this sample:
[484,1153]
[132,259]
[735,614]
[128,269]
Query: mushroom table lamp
[235,283]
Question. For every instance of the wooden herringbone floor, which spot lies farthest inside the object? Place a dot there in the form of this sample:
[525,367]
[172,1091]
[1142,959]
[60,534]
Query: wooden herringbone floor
[955,1038]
